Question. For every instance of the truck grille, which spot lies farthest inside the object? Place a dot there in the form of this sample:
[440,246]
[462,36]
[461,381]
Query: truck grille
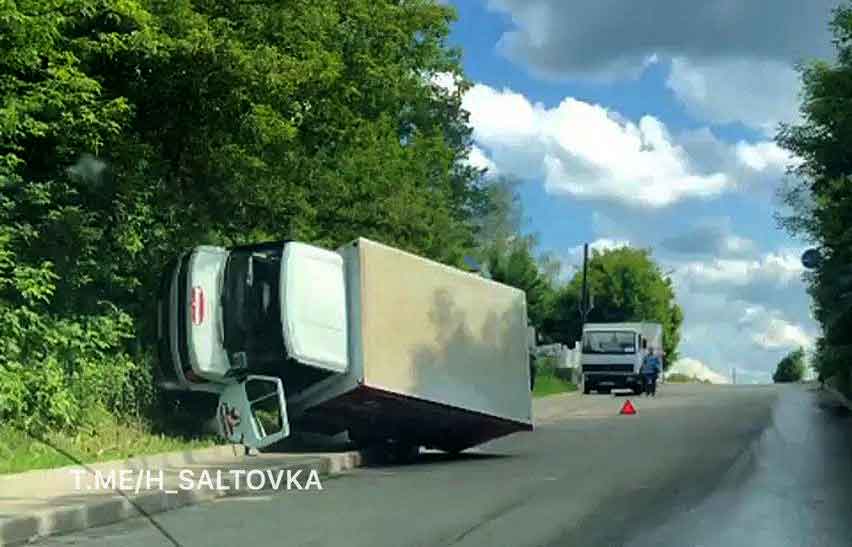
[608,368]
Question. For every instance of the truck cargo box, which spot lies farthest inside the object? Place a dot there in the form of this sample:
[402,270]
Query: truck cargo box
[437,356]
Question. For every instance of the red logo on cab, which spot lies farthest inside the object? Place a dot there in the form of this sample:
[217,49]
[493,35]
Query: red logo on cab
[197,305]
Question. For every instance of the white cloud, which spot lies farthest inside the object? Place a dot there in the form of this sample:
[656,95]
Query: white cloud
[763,156]
[612,38]
[759,93]
[697,369]
[479,160]
[779,269]
[713,239]
[769,331]
[574,256]
[759,168]
[745,313]
[587,151]
[446,81]
[572,260]
[606,244]
[728,62]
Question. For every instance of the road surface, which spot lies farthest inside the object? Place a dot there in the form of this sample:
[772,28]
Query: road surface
[698,466]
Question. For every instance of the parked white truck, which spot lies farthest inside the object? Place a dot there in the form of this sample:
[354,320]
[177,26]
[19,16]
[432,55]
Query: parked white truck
[612,354]
[390,347]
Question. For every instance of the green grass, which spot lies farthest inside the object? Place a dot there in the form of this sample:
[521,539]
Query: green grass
[551,385]
[109,441]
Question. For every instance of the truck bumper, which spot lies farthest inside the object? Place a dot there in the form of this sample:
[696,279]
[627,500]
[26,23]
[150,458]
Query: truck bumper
[612,380]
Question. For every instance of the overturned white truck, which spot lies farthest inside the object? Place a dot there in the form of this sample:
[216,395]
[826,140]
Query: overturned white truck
[392,348]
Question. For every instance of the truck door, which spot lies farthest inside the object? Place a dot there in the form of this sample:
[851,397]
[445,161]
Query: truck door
[313,307]
[253,412]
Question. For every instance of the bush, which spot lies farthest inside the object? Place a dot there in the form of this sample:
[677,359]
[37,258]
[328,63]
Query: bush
[60,373]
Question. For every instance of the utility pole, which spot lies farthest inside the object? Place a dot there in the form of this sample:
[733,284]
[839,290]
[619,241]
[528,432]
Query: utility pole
[584,297]
[734,375]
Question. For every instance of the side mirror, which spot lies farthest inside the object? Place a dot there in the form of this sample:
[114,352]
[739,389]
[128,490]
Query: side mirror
[644,343]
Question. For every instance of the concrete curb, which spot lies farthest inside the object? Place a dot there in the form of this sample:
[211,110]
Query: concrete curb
[64,520]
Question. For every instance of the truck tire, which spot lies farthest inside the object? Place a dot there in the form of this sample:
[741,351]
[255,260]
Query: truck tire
[392,453]
[384,450]
[587,388]
[403,453]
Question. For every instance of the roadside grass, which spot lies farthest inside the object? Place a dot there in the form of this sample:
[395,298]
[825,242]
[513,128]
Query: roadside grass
[109,440]
[549,381]
[548,384]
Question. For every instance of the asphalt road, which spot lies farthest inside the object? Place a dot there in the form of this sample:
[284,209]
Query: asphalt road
[698,466]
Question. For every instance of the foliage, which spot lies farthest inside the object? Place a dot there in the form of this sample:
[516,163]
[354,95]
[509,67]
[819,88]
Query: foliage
[106,438]
[133,129]
[548,380]
[821,196]
[58,372]
[791,368]
[552,385]
[512,262]
[627,286]
[509,255]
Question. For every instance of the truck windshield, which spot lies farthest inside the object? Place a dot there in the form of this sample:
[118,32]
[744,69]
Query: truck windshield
[250,305]
[614,342]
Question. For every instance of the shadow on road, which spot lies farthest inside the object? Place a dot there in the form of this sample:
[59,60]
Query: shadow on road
[376,461]
[308,444]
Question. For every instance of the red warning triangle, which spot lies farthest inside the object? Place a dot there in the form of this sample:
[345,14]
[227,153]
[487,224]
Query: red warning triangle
[628,408]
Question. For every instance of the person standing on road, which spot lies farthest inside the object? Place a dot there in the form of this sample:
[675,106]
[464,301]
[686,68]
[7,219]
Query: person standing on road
[650,370]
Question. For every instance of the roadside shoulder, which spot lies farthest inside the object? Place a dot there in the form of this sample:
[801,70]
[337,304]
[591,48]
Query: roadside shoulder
[58,501]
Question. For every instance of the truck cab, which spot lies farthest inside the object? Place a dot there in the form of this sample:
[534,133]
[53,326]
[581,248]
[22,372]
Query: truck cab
[248,322]
[612,354]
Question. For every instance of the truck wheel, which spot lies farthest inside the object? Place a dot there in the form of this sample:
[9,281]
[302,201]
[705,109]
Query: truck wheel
[587,388]
[405,453]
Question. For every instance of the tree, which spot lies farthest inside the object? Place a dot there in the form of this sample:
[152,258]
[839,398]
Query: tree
[627,286]
[820,197]
[791,368]
[131,130]
[511,262]
[509,255]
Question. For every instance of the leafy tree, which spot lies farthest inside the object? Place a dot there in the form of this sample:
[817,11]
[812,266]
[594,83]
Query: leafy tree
[509,256]
[133,129]
[627,286]
[511,262]
[820,197]
[791,368]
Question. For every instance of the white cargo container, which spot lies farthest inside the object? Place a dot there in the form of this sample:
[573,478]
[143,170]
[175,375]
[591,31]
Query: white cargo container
[386,345]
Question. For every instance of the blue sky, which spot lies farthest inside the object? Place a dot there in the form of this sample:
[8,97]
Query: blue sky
[655,131]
